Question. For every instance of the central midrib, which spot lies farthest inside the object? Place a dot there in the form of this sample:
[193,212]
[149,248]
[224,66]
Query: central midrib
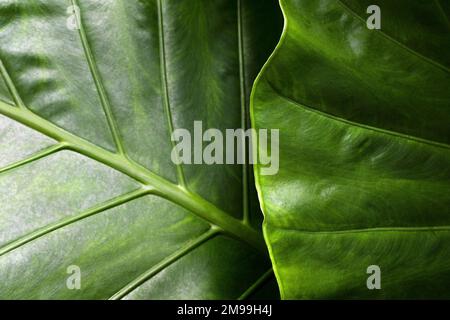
[163,188]
[104,100]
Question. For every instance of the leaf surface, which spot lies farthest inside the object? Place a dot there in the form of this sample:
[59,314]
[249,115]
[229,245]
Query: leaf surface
[364,149]
[91,92]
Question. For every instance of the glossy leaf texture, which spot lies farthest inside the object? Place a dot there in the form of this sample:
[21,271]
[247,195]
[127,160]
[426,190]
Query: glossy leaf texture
[364,149]
[89,95]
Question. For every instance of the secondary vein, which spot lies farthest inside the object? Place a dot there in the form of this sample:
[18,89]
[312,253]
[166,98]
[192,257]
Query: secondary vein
[132,285]
[356,124]
[390,38]
[244,121]
[38,155]
[104,100]
[85,214]
[257,284]
[363,230]
[11,87]
[165,89]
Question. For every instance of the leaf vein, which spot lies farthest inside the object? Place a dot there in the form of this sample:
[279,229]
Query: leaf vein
[164,85]
[363,230]
[135,283]
[104,100]
[163,188]
[244,120]
[11,87]
[393,40]
[359,125]
[70,220]
[38,155]
[257,284]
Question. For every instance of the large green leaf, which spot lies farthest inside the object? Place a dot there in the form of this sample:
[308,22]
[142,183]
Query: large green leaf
[364,149]
[86,178]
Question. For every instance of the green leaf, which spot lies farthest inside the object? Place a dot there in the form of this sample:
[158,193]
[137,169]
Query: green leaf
[88,101]
[364,173]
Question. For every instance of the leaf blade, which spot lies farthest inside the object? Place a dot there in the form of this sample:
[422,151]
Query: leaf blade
[74,91]
[356,186]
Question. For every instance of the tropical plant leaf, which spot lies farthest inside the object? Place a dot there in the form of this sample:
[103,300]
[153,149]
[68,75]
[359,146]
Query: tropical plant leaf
[364,149]
[91,93]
